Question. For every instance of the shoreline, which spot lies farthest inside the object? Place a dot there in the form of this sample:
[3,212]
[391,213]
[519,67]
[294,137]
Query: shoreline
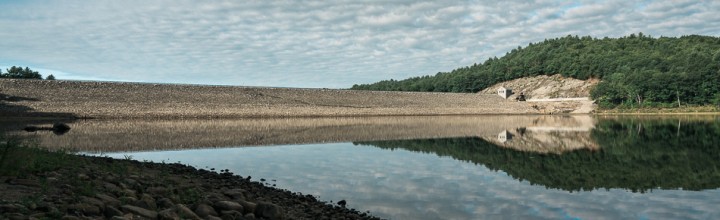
[60,185]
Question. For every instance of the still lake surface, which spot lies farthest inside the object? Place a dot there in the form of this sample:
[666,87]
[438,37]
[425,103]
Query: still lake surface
[450,167]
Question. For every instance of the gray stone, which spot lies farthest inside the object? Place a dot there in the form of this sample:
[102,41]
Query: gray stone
[269,211]
[70,217]
[108,200]
[127,200]
[129,193]
[168,214]
[93,201]
[87,209]
[204,211]
[146,201]
[140,211]
[157,190]
[185,212]
[112,187]
[248,207]
[237,194]
[210,217]
[228,205]
[231,215]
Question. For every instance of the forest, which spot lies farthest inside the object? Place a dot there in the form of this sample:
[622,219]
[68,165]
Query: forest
[635,70]
[637,155]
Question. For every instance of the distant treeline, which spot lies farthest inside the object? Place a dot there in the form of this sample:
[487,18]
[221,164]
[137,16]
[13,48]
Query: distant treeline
[636,70]
[636,155]
[17,72]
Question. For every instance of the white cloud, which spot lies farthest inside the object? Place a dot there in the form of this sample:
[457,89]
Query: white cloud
[291,43]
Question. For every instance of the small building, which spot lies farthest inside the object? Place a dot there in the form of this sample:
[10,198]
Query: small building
[504,92]
[505,136]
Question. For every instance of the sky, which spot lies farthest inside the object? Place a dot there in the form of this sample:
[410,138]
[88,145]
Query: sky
[316,44]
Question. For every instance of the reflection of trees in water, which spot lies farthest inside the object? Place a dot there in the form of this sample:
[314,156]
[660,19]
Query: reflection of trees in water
[636,155]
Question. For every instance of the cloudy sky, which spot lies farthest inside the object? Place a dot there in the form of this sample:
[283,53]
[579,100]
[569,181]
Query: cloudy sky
[332,44]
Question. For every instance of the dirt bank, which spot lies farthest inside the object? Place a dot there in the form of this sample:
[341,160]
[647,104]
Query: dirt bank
[144,100]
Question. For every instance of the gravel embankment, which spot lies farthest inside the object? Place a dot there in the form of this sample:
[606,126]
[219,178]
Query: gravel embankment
[146,100]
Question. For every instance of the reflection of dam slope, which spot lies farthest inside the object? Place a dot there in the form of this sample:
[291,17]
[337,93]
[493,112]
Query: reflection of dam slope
[143,135]
[638,155]
[548,135]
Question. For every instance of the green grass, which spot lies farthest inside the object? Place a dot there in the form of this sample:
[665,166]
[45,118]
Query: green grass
[19,158]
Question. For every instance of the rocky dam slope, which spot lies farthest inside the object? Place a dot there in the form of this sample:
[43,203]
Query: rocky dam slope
[85,99]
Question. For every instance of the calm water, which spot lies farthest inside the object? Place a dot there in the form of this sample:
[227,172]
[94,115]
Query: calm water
[509,167]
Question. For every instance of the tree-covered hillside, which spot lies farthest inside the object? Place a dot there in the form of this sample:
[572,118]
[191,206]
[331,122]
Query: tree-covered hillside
[635,70]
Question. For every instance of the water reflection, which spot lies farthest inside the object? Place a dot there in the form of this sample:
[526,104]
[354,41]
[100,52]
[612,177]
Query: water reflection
[485,167]
[638,155]
[145,135]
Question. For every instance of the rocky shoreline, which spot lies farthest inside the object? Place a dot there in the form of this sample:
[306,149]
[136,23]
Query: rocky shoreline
[66,186]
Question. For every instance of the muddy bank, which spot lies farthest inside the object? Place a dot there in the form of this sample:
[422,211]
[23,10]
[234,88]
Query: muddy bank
[144,100]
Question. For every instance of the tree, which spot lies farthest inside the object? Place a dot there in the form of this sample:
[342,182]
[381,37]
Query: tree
[50,77]
[20,73]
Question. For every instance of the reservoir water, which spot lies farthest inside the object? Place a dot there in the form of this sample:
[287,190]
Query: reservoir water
[450,167]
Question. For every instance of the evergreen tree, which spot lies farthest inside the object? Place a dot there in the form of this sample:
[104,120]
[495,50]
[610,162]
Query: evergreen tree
[20,73]
[50,77]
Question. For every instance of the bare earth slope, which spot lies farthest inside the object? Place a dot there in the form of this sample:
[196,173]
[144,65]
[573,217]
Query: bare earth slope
[144,100]
[552,94]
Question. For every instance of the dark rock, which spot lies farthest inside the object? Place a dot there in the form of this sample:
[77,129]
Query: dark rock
[165,203]
[70,217]
[248,207]
[235,193]
[269,211]
[112,187]
[140,211]
[93,201]
[108,200]
[231,215]
[146,201]
[26,182]
[86,209]
[157,190]
[228,206]
[129,193]
[342,203]
[9,208]
[204,210]
[60,128]
[168,214]
[127,200]
[185,212]
[210,217]
[112,211]
[15,216]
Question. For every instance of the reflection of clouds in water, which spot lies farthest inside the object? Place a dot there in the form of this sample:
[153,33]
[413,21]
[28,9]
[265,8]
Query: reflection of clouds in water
[407,185]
